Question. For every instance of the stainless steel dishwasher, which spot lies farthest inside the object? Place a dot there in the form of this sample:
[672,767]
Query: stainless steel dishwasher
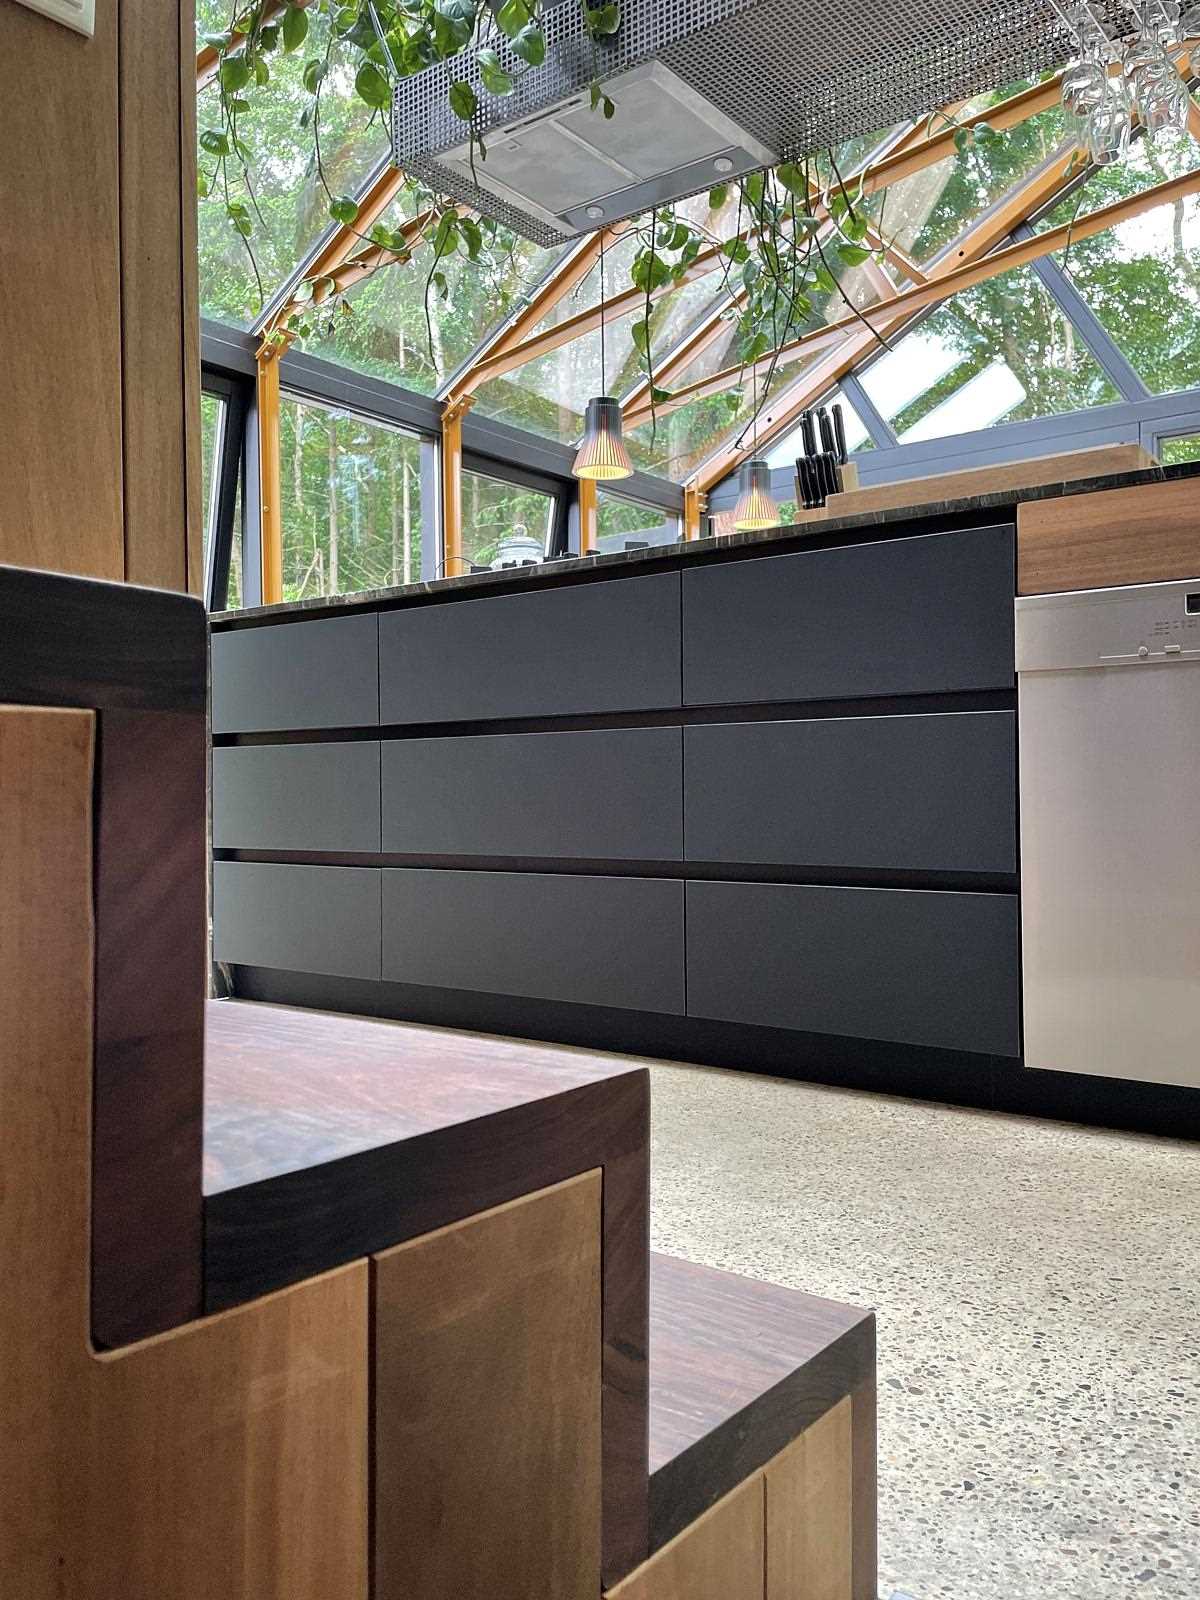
[1109,719]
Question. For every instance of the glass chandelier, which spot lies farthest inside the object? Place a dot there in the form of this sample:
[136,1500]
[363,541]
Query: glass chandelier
[755,506]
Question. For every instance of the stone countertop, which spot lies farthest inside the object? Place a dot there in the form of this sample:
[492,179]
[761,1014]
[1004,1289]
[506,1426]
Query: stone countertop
[656,556]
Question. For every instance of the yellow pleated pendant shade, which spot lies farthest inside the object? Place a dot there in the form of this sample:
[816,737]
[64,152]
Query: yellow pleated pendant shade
[755,507]
[602,453]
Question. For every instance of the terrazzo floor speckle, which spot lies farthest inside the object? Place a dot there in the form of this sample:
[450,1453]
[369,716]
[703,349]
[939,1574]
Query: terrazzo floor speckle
[1038,1302]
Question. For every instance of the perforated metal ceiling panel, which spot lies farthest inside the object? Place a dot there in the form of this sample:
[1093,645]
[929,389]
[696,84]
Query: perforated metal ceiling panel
[781,78]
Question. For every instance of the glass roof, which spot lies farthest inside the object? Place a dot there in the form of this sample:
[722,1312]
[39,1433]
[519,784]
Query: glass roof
[1002,350]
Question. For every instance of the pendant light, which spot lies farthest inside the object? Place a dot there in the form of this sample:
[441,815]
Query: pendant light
[602,454]
[755,508]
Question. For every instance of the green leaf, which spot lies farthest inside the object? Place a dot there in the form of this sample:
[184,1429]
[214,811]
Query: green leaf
[215,142]
[753,187]
[495,79]
[530,45]
[639,332]
[262,72]
[446,237]
[855,226]
[202,188]
[660,396]
[609,108]
[235,73]
[717,196]
[216,41]
[294,28]
[268,37]
[792,179]
[462,100]
[736,250]
[472,237]
[314,71]
[824,279]
[757,346]
[344,209]
[602,20]
[512,17]
[806,224]
[962,139]
[852,254]
[371,85]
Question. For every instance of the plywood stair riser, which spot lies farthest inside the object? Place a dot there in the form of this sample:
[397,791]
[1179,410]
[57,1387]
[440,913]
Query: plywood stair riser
[228,1458]
[786,1533]
[1070,466]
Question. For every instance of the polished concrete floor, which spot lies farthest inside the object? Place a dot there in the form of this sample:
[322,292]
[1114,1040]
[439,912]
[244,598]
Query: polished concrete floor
[1038,1294]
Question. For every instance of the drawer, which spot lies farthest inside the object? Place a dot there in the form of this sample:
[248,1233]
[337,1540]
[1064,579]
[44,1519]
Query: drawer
[299,919]
[916,793]
[613,794]
[320,674]
[901,616]
[551,652]
[591,940]
[297,797]
[912,966]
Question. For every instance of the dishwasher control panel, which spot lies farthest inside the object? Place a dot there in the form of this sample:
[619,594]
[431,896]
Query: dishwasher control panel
[1143,624]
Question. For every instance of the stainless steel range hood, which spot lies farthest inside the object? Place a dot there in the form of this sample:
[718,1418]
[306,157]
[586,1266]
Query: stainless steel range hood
[704,89]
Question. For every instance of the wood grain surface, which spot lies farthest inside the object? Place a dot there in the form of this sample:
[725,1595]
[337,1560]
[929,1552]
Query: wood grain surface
[999,477]
[487,1404]
[738,1369]
[151,974]
[227,1458]
[138,658]
[1145,534]
[161,394]
[810,1513]
[328,1138]
[719,1557]
[60,333]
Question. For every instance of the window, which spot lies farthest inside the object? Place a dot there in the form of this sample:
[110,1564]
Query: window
[1183,447]
[624,524]
[504,523]
[1142,278]
[212,418]
[351,492]
[1000,352]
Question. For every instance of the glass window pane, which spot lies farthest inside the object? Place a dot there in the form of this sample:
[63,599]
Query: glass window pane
[504,524]
[1184,447]
[999,352]
[351,490]
[386,332]
[212,418]
[286,194]
[1142,279]
[924,213]
[623,524]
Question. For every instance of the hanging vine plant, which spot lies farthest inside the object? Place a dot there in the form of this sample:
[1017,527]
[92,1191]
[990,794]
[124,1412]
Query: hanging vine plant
[781,238]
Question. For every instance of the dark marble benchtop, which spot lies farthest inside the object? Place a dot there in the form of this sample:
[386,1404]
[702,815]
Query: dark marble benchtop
[970,509]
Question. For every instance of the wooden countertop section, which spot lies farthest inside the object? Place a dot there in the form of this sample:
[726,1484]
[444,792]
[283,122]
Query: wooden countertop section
[738,1368]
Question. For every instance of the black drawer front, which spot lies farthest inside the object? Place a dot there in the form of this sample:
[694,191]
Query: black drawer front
[301,919]
[903,616]
[552,652]
[594,941]
[917,793]
[322,674]
[915,967]
[297,797]
[609,795]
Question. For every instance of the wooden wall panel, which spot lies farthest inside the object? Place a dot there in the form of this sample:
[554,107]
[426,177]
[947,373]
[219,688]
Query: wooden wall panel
[719,1557]
[1145,534]
[487,1396]
[157,401]
[60,446]
[809,1513]
[226,1458]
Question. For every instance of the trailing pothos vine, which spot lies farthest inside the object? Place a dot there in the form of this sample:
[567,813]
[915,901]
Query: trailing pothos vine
[780,239]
